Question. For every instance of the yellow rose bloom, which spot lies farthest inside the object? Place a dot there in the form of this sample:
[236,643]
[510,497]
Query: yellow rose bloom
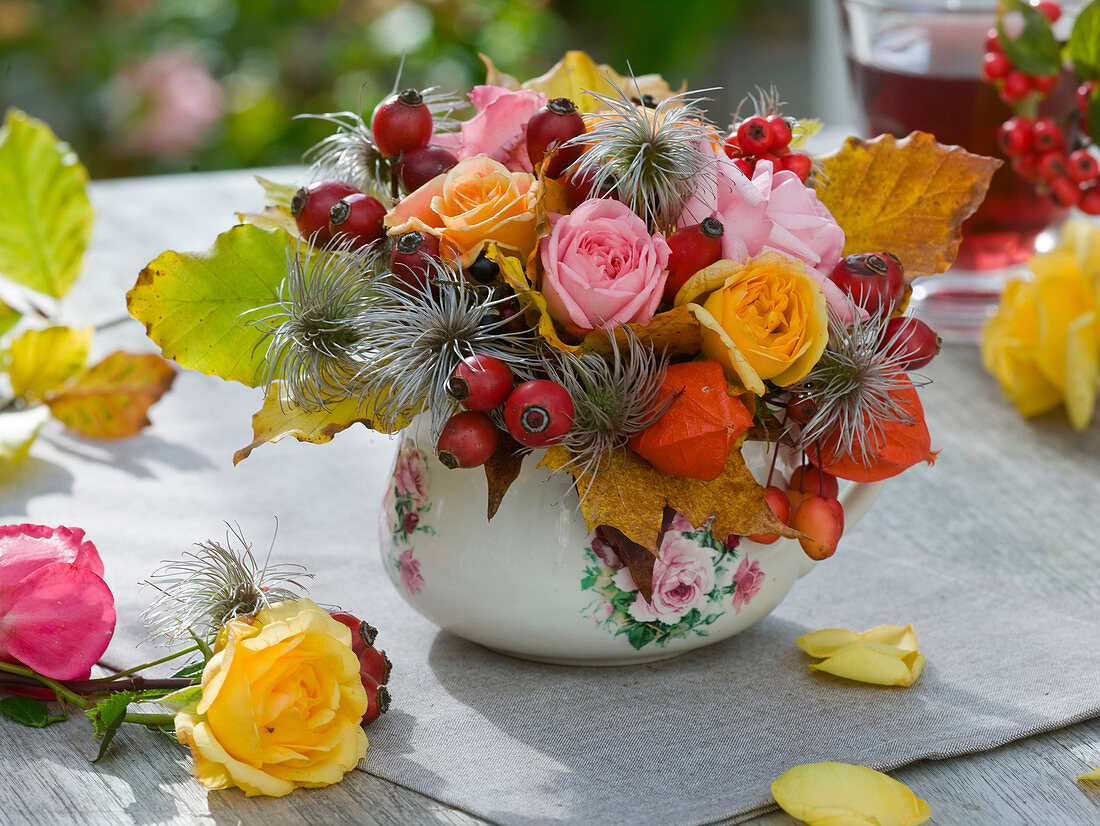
[1043,344]
[281,704]
[763,319]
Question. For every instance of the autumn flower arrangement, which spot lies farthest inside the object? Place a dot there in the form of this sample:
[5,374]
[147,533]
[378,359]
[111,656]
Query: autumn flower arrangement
[587,264]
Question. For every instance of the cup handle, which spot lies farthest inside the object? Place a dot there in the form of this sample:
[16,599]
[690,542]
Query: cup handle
[856,500]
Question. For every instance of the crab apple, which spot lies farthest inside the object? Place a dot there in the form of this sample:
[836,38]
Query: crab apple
[1046,135]
[418,166]
[799,164]
[469,439]
[754,135]
[538,412]
[874,280]
[549,128]
[812,479]
[356,220]
[822,522]
[1090,201]
[480,382]
[1065,192]
[1014,136]
[693,248]
[1026,166]
[777,501]
[995,66]
[400,123]
[911,342]
[311,204]
[413,258]
[1082,166]
[781,131]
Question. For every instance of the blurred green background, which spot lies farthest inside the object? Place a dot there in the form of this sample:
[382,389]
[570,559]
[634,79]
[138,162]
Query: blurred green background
[147,86]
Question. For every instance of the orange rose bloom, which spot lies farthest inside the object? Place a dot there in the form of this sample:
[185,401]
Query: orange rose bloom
[477,201]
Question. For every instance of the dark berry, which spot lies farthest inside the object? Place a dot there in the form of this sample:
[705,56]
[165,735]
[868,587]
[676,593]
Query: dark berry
[356,220]
[311,204]
[401,123]
[754,135]
[912,342]
[483,271]
[469,439]
[549,128]
[480,382]
[418,166]
[875,281]
[538,412]
[414,257]
[692,249]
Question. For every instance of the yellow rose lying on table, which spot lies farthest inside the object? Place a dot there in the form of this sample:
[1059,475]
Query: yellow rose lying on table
[281,704]
[763,319]
[1043,345]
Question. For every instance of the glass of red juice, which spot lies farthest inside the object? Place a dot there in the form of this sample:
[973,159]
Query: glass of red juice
[916,65]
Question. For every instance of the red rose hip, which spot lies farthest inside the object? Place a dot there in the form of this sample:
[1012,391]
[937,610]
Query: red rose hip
[469,439]
[413,257]
[692,249]
[356,220]
[549,128]
[874,280]
[418,166]
[480,382]
[311,204]
[538,413]
[401,123]
[912,342]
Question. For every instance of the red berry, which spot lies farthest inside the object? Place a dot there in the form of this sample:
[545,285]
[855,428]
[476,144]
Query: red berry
[912,342]
[1046,136]
[311,204]
[731,147]
[480,382]
[799,164]
[995,66]
[356,220]
[1049,9]
[1084,95]
[693,248]
[754,135]
[362,634]
[1044,83]
[1026,166]
[811,479]
[781,132]
[549,128]
[1014,136]
[777,501]
[801,409]
[875,281]
[1082,166]
[992,41]
[776,162]
[401,123]
[378,700]
[1090,201]
[822,520]
[1065,192]
[538,412]
[1017,86]
[744,165]
[469,439]
[418,166]
[1052,165]
[414,257]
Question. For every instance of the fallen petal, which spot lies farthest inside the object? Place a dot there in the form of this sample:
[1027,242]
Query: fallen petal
[1094,774]
[874,662]
[828,641]
[24,548]
[840,794]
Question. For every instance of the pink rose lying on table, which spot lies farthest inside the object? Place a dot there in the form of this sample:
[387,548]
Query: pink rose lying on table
[499,128]
[57,615]
[602,267]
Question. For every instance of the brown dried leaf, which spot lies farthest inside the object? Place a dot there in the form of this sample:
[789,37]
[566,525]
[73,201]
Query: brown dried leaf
[907,196]
[637,559]
[502,469]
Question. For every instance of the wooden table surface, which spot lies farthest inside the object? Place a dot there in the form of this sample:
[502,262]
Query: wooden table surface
[1018,500]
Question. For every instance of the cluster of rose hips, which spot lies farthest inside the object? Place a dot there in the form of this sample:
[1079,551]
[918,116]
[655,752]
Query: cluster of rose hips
[766,138]
[808,503]
[536,413]
[1013,84]
[402,128]
[374,665]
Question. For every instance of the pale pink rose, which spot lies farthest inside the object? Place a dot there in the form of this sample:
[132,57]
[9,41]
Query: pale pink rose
[679,524]
[498,129]
[410,572]
[748,579]
[603,612]
[601,267]
[624,580]
[683,577]
[773,211]
[605,550]
[410,476]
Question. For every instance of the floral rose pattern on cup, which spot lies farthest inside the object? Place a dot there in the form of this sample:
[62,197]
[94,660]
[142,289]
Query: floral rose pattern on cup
[407,501]
[696,580]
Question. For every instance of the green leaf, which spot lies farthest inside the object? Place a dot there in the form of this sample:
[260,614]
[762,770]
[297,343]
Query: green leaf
[1092,115]
[26,711]
[1036,51]
[1084,45]
[191,303]
[107,716]
[191,670]
[641,635]
[18,430]
[183,697]
[44,208]
[44,360]
[8,317]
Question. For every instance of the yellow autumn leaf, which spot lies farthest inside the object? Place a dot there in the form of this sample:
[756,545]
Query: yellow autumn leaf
[874,662]
[908,196]
[280,416]
[577,74]
[43,360]
[1094,774]
[828,641]
[272,217]
[18,430]
[511,270]
[841,794]
[675,332]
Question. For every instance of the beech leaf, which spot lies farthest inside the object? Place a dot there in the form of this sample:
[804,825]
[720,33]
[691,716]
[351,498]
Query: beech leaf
[18,430]
[907,196]
[191,303]
[44,208]
[272,217]
[276,194]
[111,400]
[44,360]
[577,74]
[502,469]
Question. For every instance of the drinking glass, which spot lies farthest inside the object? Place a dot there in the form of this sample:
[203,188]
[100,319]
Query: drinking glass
[916,65]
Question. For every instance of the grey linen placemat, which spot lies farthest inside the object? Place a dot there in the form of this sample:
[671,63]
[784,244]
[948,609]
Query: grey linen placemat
[687,741]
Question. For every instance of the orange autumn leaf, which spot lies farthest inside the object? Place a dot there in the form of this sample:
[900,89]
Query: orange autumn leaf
[630,495]
[704,421]
[902,445]
[908,196]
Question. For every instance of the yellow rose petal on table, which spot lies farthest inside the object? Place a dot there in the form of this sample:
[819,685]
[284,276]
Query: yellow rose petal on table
[1094,775]
[828,641]
[1082,368]
[874,662]
[840,794]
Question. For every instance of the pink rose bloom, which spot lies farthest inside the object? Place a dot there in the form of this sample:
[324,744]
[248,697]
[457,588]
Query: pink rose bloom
[683,577]
[605,550]
[498,129]
[601,267]
[410,476]
[410,572]
[57,615]
[748,579]
[773,211]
